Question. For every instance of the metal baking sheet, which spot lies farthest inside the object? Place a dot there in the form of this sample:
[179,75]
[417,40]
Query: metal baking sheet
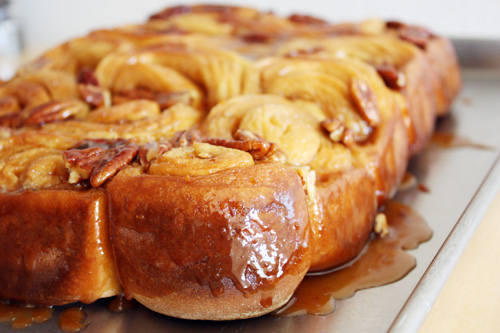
[462,183]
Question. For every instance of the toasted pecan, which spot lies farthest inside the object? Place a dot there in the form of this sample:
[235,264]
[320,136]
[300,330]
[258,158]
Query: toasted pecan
[94,95]
[259,149]
[99,159]
[365,101]
[54,111]
[393,78]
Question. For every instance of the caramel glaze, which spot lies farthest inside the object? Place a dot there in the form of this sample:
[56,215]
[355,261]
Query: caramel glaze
[23,316]
[72,320]
[451,140]
[353,192]
[120,304]
[57,242]
[382,261]
[242,230]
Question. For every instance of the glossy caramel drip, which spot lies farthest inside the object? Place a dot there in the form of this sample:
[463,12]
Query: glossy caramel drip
[423,188]
[22,316]
[408,182]
[72,320]
[120,304]
[382,261]
[451,140]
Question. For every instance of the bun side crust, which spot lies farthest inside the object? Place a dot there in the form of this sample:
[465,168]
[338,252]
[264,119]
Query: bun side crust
[57,242]
[445,65]
[433,82]
[224,246]
[346,225]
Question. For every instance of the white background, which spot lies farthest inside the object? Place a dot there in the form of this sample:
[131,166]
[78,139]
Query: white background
[49,22]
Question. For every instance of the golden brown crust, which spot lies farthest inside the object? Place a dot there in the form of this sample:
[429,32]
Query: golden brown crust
[237,239]
[56,247]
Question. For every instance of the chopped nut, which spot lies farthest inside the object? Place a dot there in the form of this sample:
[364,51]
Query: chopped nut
[98,159]
[381,226]
[393,78]
[348,138]
[338,132]
[55,111]
[365,102]
[152,151]
[185,138]
[335,128]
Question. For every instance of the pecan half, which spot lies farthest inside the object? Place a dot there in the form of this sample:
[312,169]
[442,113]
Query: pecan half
[170,12]
[257,37]
[306,19]
[259,149]
[181,10]
[94,95]
[414,34]
[99,159]
[164,99]
[54,111]
[87,76]
[365,101]
[394,24]
[393,78]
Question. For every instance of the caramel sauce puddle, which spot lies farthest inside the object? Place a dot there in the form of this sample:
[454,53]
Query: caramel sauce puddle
[23,316]
[72,320]
[383,260]
[451,140]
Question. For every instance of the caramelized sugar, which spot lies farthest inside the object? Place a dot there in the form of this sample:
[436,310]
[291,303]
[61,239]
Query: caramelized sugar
[382,261]
[451,140]
[409,181]
[72,320]
[23,316]
[120,304]
[423,188]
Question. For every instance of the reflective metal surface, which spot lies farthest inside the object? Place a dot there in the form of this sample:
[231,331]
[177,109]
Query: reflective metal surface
[462,183]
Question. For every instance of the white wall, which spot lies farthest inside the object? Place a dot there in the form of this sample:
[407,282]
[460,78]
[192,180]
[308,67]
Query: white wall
[49,22]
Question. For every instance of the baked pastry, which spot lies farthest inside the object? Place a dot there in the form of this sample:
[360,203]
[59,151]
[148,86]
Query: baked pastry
[204,161]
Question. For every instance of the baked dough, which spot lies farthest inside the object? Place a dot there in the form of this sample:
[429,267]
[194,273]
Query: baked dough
[203,161]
